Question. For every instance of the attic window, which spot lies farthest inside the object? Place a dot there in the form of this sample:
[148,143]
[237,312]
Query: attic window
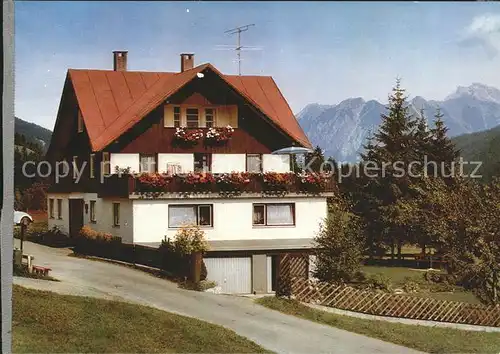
[80,122]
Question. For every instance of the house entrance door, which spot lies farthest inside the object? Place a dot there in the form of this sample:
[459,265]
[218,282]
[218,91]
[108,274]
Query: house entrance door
[75,216]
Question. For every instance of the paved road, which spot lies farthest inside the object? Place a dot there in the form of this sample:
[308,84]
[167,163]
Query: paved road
[273,330]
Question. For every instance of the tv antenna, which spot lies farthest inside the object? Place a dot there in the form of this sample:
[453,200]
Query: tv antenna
[239,47]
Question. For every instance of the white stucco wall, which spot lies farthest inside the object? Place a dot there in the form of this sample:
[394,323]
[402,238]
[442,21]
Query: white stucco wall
[232,219]
[62,224]
[275,163]
[228,163]
[220,162]
[124,161]
[103,212]
[104,218]
[186,161]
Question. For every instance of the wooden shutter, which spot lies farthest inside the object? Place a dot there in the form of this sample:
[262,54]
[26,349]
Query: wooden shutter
[168,116]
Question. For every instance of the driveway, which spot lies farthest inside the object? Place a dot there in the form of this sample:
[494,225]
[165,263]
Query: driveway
[272,330]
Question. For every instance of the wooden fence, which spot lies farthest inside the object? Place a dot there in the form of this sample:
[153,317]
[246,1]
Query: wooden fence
[392,305]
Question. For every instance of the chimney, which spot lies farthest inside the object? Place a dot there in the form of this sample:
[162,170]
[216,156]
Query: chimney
[120,60]
[187,61]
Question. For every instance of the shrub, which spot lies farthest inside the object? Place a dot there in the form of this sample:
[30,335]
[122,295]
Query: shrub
[95,243]
[176,253]
[207,284]
[284,288]
[438,278]
[411,286]
[204,272]
[200,286]
[359,277]
[56,238]
[190,239]
[338,246]
[379,282]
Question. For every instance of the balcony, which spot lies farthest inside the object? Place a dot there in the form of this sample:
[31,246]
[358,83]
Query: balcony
[215,186]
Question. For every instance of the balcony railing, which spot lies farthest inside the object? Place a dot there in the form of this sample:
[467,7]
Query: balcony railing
[223,184]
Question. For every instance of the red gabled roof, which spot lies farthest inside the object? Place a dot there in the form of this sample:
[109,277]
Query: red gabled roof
[112,102]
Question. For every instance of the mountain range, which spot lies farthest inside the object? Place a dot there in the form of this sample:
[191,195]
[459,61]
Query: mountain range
[33,132]
[342,129]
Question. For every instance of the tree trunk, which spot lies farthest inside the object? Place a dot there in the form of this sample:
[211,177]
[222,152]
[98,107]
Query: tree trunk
[392,251]
[399,251]
[423,248]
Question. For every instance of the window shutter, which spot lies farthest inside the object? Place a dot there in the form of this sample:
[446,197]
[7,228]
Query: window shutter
[168,116]
[233,116]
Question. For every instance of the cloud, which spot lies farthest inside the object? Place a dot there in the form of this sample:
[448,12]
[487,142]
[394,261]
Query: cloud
[484,32]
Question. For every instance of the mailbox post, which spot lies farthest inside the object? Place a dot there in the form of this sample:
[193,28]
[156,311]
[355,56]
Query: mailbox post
[24,225]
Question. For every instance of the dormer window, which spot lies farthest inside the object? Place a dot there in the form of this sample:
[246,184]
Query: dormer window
[80,122]
[209,117]
[177,117]
[192,118]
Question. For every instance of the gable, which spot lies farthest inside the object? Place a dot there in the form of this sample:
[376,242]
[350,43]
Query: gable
[197,99]
[114,101]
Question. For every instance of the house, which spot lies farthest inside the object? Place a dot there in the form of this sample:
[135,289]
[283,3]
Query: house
[110,121]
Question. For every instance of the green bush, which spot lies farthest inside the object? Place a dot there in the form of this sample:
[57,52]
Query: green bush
[379,282]
[203,273]
[411,286]
[200,286]
[438,278]
[360,277]
[338,245]
[100,244]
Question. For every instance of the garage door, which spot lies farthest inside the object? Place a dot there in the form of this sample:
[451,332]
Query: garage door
[232,274]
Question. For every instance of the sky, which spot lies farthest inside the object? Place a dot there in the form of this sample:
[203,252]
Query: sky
[317,52]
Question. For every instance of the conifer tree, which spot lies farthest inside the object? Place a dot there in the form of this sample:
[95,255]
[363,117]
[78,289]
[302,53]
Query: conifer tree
[393,143]
[442,150]
[315,159]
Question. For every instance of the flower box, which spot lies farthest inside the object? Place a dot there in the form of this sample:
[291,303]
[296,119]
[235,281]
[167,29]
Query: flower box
[188,136]
[234,181]
[152,182]
[219,135]
[198,181]
[312,182]
[278,181]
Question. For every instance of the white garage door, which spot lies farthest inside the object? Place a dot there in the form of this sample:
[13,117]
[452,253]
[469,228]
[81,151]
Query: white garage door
[232,274]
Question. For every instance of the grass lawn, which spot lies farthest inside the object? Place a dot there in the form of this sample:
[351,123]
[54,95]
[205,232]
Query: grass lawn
[399,275]
[427,339]
[45,322]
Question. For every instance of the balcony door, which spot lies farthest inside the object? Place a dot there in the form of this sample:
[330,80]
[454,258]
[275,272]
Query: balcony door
[148,163]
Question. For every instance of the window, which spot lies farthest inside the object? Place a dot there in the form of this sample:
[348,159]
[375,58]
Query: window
[116,214]
[80,122]
[51,208]
[254,163]
[174,169]
[75,166]
[92,211]
[209,117]
[147,163]
[59,208]
[202,162]
[177,117]
[91,163]
[274,214]
[179,215]
[106,167]
[192,118]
